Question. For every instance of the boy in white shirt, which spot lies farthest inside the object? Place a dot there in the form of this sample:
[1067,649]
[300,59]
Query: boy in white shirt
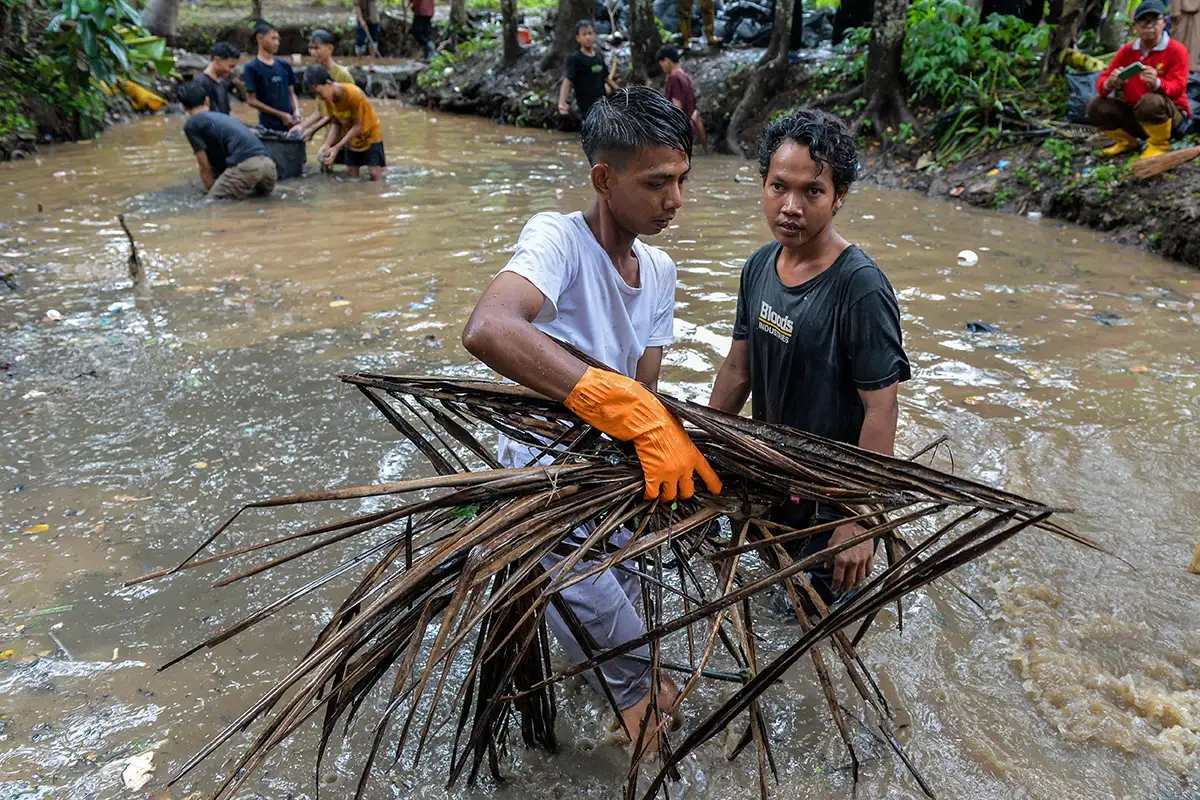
[586,279]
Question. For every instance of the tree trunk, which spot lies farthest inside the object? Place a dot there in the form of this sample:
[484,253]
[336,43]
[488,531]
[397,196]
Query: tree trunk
[884,86]
[768,76]
[160,18]
[781,31]
[569,13]
[1112,32]
[1064,36]
[644,40]
[512,47]
[256,9]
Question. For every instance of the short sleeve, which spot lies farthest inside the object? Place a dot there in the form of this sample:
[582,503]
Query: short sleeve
[741,323]
[192,131]
[671,90]
[873,340]
[570,68]
[251,78]
[545,257]
[662,327]
[292,79]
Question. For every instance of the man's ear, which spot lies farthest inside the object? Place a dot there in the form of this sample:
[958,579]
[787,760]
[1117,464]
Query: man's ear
[602,179]
[840,199]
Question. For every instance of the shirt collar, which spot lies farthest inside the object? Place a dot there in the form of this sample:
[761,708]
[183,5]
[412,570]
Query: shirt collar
[1162,44]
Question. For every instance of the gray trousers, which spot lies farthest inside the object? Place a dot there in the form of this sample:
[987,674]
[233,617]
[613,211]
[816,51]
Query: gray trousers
[255,175]
[606,606]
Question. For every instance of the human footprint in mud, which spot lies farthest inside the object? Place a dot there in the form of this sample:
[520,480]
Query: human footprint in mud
[588,280]
[355,133]
[233,162]
[817,343]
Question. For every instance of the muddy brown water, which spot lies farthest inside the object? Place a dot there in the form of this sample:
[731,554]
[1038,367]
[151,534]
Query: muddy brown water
[128,429]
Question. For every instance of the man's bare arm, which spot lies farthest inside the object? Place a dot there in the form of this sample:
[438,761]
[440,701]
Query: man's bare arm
[500,333]
[206,176]
[649,367]
[881,410]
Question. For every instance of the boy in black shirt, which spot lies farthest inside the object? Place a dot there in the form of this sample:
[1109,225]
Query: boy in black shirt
[233,162]
[585,71]
[270,82]
[215,78]
[817,342]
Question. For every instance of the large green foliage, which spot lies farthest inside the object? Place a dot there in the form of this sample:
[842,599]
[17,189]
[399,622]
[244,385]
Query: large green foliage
[951,56]
[102,39]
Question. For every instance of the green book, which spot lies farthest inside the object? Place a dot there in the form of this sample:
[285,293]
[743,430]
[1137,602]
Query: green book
[1131,71]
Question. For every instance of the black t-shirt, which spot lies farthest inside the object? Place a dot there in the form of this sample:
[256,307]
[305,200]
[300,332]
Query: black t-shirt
[586,74]
[813,346]
[217,91]
[227,141]
[272,85]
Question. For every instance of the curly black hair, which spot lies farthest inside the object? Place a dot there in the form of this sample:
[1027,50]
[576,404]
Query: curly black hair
[827,138]
[630,119]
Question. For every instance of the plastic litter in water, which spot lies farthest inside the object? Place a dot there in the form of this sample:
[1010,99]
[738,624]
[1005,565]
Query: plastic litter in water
[967,258]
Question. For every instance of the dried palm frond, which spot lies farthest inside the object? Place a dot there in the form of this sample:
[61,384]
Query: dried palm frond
[446,622]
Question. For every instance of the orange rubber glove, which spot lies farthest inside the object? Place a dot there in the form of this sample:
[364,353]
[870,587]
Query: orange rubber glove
[625,410]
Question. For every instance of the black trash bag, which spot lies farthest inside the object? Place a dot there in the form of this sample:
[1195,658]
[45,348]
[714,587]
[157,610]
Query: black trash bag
[817,27]
[748,23]
[1081,87]
[1190,125]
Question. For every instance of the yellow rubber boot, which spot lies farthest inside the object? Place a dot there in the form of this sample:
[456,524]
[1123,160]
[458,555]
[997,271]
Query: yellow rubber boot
[1158,139]
[1123,142]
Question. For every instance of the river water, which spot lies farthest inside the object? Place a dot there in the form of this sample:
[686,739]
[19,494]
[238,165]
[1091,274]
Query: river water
[130,426]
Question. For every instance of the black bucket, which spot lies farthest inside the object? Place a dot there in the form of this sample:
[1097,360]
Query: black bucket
[289,154]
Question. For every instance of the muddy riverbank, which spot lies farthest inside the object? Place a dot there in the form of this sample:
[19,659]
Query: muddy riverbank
[129,426]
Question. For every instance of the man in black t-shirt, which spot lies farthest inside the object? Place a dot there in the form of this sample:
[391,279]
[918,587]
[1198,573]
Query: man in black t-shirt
[271,83]
[215,78]
[585,71]
[817,342]
[233,162]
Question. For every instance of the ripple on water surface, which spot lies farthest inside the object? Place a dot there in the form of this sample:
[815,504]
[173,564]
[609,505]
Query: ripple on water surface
[133,424]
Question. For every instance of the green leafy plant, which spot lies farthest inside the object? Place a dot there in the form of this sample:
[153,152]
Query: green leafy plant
[88,39]
[446,62]
[1062,157]
[976,70]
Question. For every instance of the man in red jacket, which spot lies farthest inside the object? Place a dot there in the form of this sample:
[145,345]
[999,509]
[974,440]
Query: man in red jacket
[1149,104]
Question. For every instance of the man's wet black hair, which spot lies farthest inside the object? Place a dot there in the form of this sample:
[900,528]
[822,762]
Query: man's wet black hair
[225,50]
[315,75]
[584,23]
[322,36]
[668,52]
[827,138]
[630,119]
[191,95]
[262,28]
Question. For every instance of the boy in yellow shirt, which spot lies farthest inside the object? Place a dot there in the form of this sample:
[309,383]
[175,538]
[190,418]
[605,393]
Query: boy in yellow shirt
[320,48]
[355,131]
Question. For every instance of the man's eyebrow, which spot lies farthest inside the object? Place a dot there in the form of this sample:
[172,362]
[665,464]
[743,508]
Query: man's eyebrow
[661,175]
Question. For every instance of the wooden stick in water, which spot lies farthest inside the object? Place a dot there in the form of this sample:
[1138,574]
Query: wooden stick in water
[1194,567]
[136,271]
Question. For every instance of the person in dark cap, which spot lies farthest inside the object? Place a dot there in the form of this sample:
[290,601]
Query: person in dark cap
[1149,104]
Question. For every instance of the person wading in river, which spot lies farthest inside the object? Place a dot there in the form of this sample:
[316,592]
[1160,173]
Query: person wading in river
[233,162]
[817,343]
[215,78]
[355,132]
[588,280]
[271,83]
[320,48]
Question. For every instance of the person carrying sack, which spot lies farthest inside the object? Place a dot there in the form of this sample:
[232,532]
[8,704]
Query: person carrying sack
[1150,75]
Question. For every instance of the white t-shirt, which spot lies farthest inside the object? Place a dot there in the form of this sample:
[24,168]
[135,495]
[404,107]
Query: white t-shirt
[588,304]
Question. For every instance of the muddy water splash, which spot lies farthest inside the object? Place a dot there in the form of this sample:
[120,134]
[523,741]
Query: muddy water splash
[127,429]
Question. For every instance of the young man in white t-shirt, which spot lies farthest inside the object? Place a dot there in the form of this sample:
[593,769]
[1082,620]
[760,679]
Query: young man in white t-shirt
[586,279]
